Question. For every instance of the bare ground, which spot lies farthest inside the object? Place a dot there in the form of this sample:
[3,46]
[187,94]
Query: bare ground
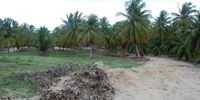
[158,79]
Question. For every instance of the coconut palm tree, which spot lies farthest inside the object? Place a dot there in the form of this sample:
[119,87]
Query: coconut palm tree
[7,36]
[91,34]
[107,33]
[153,44]
[160,25]
[104,25]
[193,40]
[117,39]
[183,19]
[179,48]
[21,35]
[138,22]
[43,41]
[30,35]
[71,28]
[57,35]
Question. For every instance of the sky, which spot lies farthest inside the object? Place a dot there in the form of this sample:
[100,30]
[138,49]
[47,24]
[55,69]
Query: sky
[49,12]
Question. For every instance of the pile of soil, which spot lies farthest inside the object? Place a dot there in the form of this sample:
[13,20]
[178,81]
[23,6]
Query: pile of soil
[89,83]
[157,79]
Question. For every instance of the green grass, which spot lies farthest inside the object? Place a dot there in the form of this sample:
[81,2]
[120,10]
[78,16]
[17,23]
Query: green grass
[31,61]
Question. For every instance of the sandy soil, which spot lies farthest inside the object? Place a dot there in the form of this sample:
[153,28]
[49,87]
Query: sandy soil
[12,49]
[158,79]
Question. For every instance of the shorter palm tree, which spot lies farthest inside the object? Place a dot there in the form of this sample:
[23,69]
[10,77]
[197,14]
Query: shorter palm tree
[43,40]
[193,40]
[7,36]
[161,24]
[91,34]
[154,45]
[178,47]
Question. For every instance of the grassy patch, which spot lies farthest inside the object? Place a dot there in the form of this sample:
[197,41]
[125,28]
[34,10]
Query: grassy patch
[31,61]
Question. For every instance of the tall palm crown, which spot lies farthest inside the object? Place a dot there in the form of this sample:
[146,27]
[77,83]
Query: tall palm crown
[138,22]
[105,26]
[185,23]
[193,40]
[91,31]
[183,18]
[73,20]
[160,25]
[71,28]
[163,20]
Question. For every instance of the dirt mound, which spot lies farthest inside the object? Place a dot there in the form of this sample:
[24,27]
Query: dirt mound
[89,83]
[130,76]
[159,79]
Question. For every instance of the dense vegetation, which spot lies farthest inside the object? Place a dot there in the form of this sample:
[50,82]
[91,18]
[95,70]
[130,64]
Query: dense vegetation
[173,34]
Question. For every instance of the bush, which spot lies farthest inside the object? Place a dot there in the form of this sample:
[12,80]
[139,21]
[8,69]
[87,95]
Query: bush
[116,54]
[4,58]
[113,55]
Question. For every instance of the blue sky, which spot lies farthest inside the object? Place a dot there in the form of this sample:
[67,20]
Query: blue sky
[49,12]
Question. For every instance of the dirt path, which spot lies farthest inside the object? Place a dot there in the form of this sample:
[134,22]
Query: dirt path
[158,79]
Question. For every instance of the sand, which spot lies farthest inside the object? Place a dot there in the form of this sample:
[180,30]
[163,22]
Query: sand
[158,79]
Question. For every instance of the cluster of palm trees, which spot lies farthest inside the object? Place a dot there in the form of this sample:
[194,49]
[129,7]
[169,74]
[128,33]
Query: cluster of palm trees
[177,35]
[14,35]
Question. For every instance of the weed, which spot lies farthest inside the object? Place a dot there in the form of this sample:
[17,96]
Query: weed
[4,58]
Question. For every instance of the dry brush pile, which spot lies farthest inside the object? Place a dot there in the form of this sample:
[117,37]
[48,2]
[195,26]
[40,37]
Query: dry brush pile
[87,83]
[43,80]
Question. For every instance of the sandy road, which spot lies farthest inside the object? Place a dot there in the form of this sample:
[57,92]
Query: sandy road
[158,79]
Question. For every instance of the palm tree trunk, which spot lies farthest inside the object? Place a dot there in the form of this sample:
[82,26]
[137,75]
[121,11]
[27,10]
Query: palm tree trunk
[126,48]
[90,50]
[143,48]
[67,51]
[129,48]
[43,53]
[160,45]
[77,51]
[8,49]
[118,47]
[138,53]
